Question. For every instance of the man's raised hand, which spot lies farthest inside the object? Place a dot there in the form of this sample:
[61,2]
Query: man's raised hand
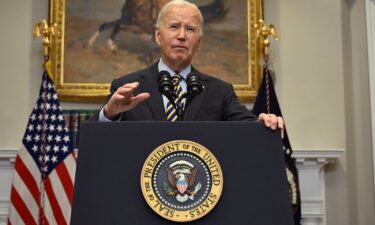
[123,100]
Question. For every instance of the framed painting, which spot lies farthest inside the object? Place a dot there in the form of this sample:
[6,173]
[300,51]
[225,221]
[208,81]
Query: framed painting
[98,42]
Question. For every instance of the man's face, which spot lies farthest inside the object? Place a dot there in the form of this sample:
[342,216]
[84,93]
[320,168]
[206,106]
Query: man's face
[179,36]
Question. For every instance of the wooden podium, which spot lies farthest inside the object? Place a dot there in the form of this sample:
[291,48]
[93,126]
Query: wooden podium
[111,156]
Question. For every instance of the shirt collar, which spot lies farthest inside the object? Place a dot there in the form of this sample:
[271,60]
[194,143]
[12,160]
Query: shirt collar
[183,73]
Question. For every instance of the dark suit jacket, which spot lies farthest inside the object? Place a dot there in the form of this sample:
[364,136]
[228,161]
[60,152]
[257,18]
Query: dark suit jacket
[217,102]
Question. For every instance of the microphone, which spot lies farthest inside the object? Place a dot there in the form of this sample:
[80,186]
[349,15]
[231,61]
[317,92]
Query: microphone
[194,86]
[165,85]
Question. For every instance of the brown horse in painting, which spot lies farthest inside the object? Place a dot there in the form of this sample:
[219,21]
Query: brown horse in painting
[139,17]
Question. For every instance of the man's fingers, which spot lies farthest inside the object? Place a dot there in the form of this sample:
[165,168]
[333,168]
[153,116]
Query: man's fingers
[272,121]
[261,117]
[266,118]
[280,124]
[131,85]
[125,91]
[141,97]
[129,103]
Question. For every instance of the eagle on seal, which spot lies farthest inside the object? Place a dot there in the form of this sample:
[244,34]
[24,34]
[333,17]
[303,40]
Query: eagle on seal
[182,182]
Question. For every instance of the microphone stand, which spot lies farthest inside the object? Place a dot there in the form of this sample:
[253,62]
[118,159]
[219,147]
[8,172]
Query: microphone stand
[195,87]
[165,86]
[178,106]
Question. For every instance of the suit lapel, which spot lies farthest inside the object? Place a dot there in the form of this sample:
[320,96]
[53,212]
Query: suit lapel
[192,110]
[149,84]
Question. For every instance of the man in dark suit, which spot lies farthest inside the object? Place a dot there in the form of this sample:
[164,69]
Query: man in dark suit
[179,29]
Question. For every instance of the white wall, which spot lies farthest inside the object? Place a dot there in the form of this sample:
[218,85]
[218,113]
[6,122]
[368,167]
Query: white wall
[20,75]
[20,66]
[309,70]
[322,74]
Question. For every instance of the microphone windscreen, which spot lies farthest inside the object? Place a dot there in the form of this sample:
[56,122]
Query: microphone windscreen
[163,75]
[165,84]
[194,84]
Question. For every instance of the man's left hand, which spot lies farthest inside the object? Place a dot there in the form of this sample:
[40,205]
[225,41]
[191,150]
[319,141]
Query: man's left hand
[272,121]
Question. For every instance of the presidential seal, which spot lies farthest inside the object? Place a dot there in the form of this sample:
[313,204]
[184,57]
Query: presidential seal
[181,181]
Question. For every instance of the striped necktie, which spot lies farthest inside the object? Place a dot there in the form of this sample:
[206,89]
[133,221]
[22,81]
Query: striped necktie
[170,110]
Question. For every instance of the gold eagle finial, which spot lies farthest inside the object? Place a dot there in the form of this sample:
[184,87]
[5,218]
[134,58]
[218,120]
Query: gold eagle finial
[46,31]
[263,31]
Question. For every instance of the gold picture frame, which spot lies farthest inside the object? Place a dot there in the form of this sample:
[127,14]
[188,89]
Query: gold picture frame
[69,50]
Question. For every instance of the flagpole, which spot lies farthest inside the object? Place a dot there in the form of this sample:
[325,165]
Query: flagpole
[263,31]
[46,31]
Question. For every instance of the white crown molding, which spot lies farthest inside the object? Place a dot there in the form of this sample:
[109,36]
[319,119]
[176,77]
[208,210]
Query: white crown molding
[8,154]
[321,155]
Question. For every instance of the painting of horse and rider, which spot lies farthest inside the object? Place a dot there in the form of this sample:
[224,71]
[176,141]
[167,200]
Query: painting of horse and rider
[107,39]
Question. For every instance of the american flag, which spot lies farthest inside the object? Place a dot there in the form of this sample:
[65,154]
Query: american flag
[43,179]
